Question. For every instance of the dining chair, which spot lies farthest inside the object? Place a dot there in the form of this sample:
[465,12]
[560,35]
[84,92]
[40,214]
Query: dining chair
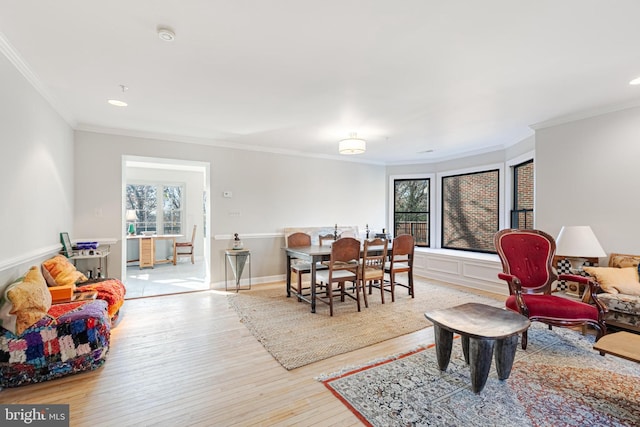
[527,258]
[343,267]
[326,240]
[298,266]
[374,255]
[400,261]
[186,248]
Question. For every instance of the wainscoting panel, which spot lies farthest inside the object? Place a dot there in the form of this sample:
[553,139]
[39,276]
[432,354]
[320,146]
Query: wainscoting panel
[478,271]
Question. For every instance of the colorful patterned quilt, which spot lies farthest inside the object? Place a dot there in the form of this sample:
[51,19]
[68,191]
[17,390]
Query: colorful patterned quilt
[72,338]
[110,290]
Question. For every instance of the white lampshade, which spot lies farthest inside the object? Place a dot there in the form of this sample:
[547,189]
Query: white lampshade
[131,215]
[352,145]
[578,242]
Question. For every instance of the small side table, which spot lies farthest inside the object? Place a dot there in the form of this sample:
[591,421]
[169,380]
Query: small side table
[238,260]
[482,327]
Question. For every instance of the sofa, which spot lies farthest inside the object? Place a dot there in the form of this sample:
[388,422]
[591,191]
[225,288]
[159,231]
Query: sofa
[619,290]
[41,340]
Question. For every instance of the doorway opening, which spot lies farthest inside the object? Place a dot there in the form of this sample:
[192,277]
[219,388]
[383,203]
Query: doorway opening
[164,200]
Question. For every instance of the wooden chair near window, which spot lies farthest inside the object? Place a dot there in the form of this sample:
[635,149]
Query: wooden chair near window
[374,256]
[343,264]
[400,261]
[186,248]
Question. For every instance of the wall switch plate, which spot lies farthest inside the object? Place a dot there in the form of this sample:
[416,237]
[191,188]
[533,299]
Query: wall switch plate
[227,194]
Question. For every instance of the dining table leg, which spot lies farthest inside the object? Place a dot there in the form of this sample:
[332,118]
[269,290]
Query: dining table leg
[313,285]
[288,276]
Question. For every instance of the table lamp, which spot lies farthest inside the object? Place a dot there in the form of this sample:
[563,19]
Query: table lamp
[576,243]
[131,216]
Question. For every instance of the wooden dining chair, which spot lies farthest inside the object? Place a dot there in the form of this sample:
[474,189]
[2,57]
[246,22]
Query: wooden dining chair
[326,240]
[343,264]
[374,255]
[186,248]
[298,266]
[400,261]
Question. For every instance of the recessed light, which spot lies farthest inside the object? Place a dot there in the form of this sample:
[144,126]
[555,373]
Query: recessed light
[117,103]
[635,81]
[167,35]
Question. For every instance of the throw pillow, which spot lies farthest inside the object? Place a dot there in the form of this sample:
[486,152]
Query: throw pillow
[7,319]
[30,299]
[612,279]
[59,271]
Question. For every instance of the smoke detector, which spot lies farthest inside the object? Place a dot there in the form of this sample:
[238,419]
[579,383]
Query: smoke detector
[166,34]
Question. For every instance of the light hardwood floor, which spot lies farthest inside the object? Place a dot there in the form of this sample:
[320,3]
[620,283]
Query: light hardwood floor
[186,359]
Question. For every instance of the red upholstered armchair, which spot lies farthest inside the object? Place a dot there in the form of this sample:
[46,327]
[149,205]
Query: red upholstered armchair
[526,257]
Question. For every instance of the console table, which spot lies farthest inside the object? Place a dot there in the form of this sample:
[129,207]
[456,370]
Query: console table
[237,259]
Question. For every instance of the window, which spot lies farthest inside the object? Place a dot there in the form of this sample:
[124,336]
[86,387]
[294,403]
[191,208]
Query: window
[411,209]
[145,200]
[522,212]
[470,210]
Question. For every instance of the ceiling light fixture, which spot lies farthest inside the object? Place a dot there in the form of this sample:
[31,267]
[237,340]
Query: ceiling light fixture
[352,145]
[118,102]
[635,81]
[165,34]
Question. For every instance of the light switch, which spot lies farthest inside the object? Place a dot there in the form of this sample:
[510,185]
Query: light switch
[227,194]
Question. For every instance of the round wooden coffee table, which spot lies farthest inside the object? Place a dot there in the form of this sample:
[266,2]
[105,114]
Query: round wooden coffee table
[482,327]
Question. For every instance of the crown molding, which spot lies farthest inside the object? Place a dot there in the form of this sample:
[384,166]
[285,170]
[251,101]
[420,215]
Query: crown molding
[84,127]
[586,114]
[23,68]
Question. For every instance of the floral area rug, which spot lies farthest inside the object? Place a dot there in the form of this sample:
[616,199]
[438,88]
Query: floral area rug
[558,381]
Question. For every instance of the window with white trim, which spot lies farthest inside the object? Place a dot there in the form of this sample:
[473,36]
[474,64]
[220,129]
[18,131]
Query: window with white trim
[470,209]
[411,209]
[158,207]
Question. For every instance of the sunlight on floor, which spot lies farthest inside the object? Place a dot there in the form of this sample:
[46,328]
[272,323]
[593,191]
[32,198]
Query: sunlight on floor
[165,279]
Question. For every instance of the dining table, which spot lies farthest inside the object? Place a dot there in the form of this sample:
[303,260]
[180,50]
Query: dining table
[313,255]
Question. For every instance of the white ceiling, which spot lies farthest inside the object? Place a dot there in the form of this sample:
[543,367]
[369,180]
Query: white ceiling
[457,76]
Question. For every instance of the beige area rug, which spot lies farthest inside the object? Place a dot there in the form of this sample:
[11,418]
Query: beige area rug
[296,337]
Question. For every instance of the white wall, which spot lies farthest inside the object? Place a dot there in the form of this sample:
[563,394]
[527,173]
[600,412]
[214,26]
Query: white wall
[270,192]
[587,173]
[36,175]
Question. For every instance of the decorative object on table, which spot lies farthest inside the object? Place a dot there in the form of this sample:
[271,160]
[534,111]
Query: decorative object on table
[335,232]
[383,235]
[237,259]
[367,230]
[131,217]
[237,243]
[577,243]
[561,382]
[67,248]
[527,257]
